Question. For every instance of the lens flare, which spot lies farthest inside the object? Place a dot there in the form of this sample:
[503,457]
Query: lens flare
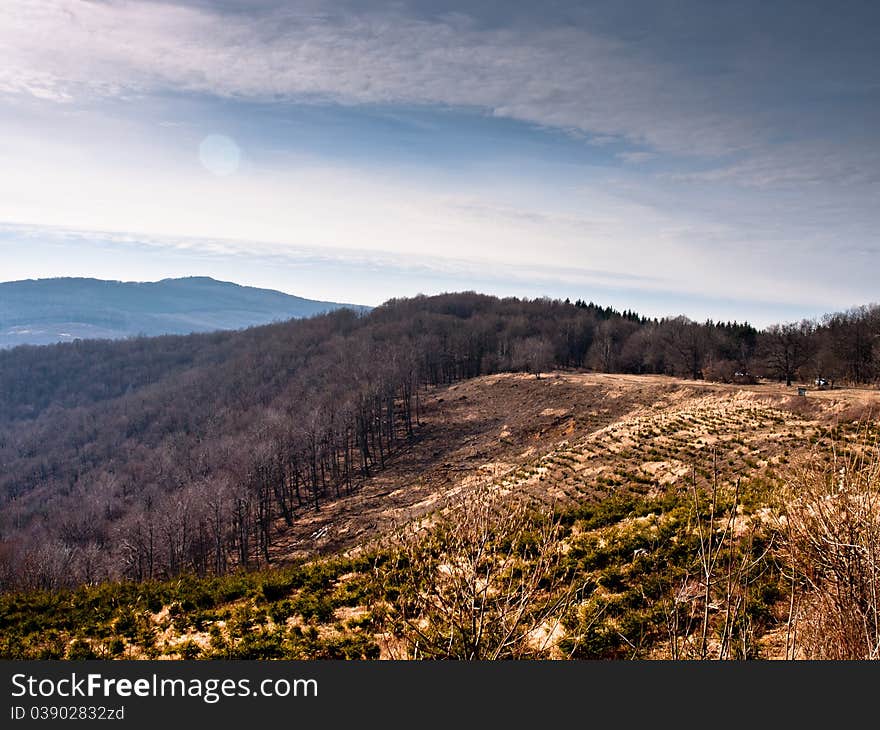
[219,155]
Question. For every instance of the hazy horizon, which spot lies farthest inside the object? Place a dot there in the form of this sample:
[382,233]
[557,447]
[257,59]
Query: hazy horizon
[291,292]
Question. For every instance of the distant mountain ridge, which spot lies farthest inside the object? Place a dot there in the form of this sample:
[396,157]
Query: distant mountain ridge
[44,311]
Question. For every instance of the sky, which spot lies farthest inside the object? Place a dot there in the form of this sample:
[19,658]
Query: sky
[709,159]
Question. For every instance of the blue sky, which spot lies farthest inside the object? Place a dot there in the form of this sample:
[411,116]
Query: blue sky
[712,159]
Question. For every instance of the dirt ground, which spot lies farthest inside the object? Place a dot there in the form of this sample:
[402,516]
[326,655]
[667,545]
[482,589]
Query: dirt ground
[573,436]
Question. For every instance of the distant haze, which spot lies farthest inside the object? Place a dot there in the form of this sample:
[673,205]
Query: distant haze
[44,311]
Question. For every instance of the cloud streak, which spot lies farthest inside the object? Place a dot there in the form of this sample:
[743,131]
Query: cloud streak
[420,264]
[682,87]
[368,277]
[563,77]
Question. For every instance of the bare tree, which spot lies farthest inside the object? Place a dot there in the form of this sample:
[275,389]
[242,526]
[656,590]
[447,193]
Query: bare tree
[687,345]
[788,347]
[533,355]
[605,352]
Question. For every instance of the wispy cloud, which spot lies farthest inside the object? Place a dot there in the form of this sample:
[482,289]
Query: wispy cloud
[565,77]
[415,264]
[368,277]
[687,83]
[795,165]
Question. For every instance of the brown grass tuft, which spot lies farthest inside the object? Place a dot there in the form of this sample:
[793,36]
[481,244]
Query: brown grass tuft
[831,547]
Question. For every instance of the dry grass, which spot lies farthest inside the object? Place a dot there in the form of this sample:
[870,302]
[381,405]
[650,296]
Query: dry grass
[569,437]
[831,548]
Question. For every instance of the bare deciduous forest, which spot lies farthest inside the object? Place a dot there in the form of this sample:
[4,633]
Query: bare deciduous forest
[152,457]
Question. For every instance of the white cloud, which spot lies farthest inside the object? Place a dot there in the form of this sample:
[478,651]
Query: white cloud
[568,78]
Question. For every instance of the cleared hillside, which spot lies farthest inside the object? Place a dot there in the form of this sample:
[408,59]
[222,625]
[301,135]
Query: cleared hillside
[566,438]
[625,463]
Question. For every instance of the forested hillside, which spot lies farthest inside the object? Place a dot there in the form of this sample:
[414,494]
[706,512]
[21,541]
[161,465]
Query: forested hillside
[148,458]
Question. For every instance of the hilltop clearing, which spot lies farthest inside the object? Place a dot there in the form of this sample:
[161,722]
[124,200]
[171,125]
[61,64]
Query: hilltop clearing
[568,437]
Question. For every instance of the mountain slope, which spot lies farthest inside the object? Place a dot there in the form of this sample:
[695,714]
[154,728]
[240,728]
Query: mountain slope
[234,440]
[174,484]
[616,456]
[44,311]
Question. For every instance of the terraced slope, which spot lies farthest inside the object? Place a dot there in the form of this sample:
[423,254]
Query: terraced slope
[570,437]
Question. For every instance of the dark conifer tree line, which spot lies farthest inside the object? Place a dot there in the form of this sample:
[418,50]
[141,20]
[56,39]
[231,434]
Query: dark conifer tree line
[151,457]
